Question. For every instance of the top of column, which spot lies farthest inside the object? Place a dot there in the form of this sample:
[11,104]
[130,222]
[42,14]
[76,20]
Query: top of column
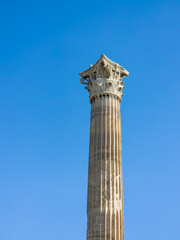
[104,77]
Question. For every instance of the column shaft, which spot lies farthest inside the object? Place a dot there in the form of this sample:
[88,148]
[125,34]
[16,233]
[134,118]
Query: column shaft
[105,197]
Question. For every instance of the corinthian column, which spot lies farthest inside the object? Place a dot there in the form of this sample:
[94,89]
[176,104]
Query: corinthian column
[103,81]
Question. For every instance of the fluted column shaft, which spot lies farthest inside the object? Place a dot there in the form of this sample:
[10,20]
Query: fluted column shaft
[105,194]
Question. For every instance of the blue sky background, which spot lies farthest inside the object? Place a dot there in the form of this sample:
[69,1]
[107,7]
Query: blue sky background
[45,114]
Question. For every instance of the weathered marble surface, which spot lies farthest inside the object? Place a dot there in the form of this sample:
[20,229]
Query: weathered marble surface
[105,188]
[104,77]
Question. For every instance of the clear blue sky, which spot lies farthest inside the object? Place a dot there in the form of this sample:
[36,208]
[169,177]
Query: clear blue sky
[45,114]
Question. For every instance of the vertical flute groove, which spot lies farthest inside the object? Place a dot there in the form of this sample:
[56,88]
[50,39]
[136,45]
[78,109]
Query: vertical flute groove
[118,174]
[101,170]
[105,169]
[110,175]
[115,171]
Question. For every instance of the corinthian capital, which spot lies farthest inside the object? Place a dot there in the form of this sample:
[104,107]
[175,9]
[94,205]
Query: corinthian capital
[104,77]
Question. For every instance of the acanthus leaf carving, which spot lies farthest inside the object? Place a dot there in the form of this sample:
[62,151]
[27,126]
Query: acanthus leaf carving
[104,76]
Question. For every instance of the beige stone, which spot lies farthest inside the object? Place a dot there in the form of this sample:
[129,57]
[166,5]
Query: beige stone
[103,80]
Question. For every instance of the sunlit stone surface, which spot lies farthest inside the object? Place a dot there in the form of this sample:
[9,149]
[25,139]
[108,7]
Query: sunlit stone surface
[104,83]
